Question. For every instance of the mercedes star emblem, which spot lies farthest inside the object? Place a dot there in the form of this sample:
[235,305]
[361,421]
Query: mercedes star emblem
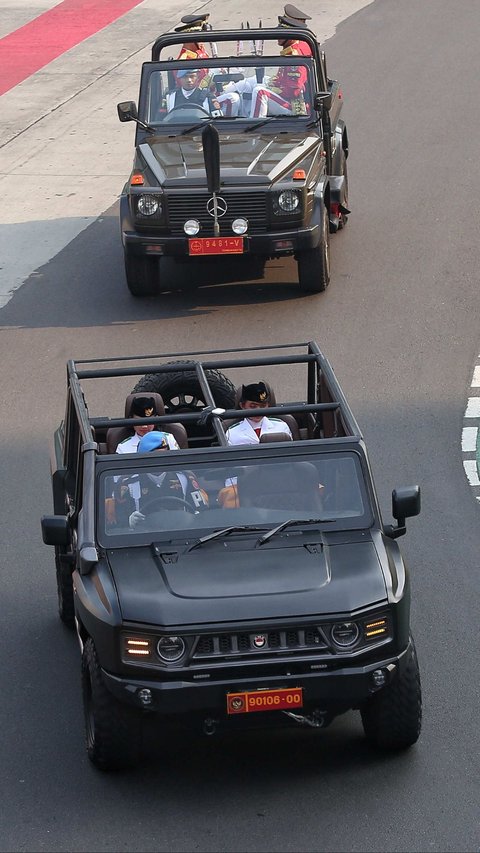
[221,206]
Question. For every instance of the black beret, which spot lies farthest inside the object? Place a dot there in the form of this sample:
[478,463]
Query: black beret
[257,392]
[143,407]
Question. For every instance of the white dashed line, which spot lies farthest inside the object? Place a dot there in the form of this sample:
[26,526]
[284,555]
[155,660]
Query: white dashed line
[470,434]
[469,439]
[470,466]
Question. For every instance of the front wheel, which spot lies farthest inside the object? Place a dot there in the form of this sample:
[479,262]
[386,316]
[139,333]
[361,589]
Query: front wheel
[142,274]
[392,718]
[113,731]
[314,264]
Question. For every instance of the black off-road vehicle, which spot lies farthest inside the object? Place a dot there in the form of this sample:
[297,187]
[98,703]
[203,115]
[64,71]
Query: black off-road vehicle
[276,595]
[256,167]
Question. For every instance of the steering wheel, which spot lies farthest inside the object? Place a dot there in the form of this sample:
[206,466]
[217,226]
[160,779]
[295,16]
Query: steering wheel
[196,109]
[159,503]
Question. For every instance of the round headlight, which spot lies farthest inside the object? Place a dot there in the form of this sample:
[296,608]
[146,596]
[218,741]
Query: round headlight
[289,200]
[239,226]
[148,205]
[170,648]
[345,633]
[191,227]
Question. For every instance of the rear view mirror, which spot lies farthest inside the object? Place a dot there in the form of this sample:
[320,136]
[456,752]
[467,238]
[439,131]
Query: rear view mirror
[55,530]
[322,101]
[405,504]
[127,111]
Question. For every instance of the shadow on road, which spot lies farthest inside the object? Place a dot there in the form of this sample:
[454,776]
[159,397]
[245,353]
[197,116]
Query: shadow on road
[85,285]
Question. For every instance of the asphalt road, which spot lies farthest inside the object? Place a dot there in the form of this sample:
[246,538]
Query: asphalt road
[400,324]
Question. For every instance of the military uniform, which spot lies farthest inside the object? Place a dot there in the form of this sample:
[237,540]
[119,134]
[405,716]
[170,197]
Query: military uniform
[249,432]
[285,93]
[173,484]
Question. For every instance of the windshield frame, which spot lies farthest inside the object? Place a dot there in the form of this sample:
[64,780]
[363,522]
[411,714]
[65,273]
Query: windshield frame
[298,122]
[223,458]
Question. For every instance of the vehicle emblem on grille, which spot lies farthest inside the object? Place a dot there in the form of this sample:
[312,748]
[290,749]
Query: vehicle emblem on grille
[259,641]
[221,206]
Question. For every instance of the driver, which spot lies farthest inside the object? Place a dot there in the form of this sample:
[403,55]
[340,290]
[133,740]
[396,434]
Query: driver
[181,485]
[189,92]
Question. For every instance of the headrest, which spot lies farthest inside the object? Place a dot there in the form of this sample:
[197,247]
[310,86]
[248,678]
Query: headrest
[268,437]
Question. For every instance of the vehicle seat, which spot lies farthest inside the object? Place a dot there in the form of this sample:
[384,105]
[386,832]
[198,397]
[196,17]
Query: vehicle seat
[289,419]
[117,434]
[290,486]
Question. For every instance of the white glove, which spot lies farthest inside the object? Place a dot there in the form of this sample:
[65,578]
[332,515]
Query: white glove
[135,518]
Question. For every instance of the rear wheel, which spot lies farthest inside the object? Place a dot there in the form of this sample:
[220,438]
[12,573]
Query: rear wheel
[314,264]
[142,274]
[344,216]
[392,718]
[113,731]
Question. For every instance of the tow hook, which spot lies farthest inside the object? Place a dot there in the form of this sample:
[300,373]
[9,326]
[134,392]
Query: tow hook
[315,721]
[210,726]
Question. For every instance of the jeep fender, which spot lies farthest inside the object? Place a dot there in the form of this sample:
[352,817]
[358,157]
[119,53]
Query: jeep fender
[321,198]
[340,146]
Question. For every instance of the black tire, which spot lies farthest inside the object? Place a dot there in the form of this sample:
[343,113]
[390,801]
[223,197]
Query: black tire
[392,718]
[63,567]
[314,264]
[344,216]
[113,731]
[181,392]
[142,274]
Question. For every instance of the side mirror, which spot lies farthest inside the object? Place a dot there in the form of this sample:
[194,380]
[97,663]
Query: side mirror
[127,111]
[406,503]
[55,530]
[322,101]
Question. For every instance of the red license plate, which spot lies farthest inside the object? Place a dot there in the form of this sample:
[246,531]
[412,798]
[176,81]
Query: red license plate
[287,698]
[215,246]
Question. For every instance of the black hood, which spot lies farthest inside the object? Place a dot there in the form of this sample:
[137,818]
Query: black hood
[215,584]
[178,161]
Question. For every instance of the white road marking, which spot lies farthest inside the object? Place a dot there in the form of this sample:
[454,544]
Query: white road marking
[470,466]
[473,408]
[476,377]
[469,439]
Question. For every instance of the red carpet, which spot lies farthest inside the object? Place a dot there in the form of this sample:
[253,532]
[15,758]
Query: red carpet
[35,45]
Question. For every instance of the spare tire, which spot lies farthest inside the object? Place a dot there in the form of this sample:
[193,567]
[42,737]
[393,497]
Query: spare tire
[181,392]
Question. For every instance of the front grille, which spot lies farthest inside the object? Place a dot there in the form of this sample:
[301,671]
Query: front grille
[248,205]
[262,643]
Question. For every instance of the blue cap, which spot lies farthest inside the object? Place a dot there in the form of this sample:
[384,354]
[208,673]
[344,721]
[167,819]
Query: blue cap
[184,71]
[153,440]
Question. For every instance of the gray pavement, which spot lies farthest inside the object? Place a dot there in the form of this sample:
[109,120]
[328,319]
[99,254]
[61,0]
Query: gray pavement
[56,174]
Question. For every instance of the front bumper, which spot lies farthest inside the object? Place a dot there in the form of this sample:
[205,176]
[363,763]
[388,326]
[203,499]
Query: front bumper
[273,244]
[331,691]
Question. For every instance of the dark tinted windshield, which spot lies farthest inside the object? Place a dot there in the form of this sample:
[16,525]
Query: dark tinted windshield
[150,503]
